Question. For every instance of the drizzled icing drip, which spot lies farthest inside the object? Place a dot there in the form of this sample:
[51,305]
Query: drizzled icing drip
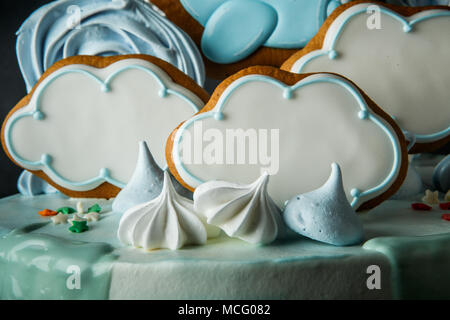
[168,221]
[243,211]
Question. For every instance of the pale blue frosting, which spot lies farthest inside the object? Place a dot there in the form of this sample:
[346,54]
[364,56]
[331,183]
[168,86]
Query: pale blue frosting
[30,185]
[67,28]
[325,214]
[234,29]
[146,182]
[441,175]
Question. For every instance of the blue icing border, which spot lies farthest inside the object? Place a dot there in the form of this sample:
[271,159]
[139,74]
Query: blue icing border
[45,162]
[407,27]
[364,114]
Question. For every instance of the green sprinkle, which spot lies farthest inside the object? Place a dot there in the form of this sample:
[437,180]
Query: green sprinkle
[79,226]
[95,208]
[66,210]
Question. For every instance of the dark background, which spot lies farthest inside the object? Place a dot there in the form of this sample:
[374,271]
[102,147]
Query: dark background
[12,87]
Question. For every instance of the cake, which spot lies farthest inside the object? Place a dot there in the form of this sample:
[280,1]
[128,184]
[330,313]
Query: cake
[408,249]
[375,227]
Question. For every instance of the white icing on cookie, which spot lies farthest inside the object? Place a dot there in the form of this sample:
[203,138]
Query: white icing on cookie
[400,62]
[82,124]
[294,133]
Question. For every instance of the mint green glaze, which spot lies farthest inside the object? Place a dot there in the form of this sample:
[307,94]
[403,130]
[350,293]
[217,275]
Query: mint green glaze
[35,255]
[420,265]
[35,266]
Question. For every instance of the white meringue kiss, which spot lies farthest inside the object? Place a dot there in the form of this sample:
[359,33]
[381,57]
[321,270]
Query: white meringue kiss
[168,221]
[243,211]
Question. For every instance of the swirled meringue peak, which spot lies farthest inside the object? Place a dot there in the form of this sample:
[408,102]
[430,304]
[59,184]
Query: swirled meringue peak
[168,221]
[146,183]
[325,214]
[243,211]
[67,28]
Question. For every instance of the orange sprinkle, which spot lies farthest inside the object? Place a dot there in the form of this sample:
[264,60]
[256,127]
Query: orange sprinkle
[48,213]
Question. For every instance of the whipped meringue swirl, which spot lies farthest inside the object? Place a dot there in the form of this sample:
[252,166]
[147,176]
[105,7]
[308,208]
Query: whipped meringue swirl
[168,221]
[243,211]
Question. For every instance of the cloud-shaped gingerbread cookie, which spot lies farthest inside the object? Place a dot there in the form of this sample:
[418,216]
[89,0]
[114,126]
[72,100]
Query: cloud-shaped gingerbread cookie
[80,126]
[398,56]
[293,127]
